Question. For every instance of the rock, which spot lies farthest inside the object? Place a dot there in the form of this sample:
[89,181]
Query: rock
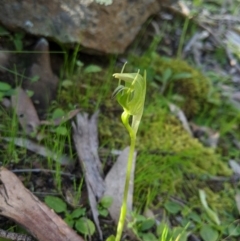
[105,29]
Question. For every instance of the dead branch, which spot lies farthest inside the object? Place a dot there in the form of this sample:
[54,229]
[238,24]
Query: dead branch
[20,205]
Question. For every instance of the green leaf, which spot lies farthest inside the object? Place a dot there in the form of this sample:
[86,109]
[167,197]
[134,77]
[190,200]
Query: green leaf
[67,83]
[163,230]
[211,214]
[157,77]
[147,224]
[172,207]
[233,230]
[182,75]
[55,203]
[92,68]
[69,222]
[140,218]
[78,212]
[35,78]
[85,226]
[61,130]
[195,217]
[58,113]
[9,92]
[148,237]
[180,234]
[5,86]
[111,238]
[103,212]
[3,31]
[166,75]
[79,63]
[208,233]
[106,201]
[1,96]
[184,222]
[18,44]
[30,93]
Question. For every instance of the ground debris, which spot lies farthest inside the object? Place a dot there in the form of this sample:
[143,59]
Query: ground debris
[85,137]
[27,210]
[15,236]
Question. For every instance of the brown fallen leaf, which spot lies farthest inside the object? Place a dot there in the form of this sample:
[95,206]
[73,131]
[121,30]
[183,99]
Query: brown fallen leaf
[25,111]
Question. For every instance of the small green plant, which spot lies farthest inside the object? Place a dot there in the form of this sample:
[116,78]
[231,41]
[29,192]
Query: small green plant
[16,38]
[5,90]
[76,219]
[142,227]
[131,96]
[103,205]
[147,229]
[164,233]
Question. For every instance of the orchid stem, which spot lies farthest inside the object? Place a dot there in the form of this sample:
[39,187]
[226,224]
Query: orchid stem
[131,97]
[126,187]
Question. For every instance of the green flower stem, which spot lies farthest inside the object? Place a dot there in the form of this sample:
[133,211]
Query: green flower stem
[131,97]
[127,182]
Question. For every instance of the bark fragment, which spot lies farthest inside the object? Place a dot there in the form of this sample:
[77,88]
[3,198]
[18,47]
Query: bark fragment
[20,205]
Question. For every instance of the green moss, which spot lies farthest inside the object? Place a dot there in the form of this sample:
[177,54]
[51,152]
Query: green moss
[170,161]
[194,90]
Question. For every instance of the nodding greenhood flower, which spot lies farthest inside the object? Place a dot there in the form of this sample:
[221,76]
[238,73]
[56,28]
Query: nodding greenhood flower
[131,96]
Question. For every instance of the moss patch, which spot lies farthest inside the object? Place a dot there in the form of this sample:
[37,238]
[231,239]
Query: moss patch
[186,82]
[170,161]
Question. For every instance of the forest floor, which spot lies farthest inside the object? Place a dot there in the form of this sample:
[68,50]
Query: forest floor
[186,183]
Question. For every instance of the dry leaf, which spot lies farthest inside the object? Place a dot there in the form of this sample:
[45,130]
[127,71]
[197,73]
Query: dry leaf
[26,112]
[85,137]
[181,116]
[41,150]
[234,166]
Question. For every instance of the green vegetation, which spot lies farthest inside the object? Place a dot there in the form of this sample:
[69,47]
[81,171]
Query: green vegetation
[75,218]
[131,97]
[186,185]
[169,161]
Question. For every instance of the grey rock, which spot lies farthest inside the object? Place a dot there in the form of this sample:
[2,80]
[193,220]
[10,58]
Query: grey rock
[105,29]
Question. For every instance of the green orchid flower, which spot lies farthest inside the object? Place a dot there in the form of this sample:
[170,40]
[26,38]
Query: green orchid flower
[131,96]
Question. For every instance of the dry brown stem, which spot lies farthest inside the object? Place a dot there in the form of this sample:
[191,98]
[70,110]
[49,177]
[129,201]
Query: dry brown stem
[20,205]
